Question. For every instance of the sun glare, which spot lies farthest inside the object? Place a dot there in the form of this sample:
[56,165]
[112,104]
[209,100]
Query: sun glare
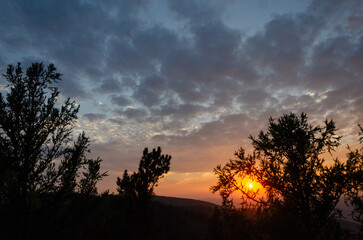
[250,186]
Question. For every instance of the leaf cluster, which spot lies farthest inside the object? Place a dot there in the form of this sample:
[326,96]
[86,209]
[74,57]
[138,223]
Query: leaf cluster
[153,165]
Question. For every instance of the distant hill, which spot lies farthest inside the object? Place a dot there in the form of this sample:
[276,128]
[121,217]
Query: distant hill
[183,202]
[198,213]
[182,218]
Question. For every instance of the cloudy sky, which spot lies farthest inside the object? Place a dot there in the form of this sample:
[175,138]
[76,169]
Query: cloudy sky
[194,77]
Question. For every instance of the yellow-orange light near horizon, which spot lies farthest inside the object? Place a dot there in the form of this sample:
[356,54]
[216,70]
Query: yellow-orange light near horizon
[249,184]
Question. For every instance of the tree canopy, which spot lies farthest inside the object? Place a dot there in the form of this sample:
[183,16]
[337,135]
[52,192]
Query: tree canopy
[355,186]
[287,161]
[35,134]
[153,165]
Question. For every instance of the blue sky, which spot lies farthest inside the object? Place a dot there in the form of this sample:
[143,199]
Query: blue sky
[194,77]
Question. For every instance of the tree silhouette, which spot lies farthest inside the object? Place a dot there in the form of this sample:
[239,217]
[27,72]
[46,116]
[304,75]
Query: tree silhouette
[34,133]
[74,158]
[87,185]
[354,189]
[136,191]
[141,184]
[298,185]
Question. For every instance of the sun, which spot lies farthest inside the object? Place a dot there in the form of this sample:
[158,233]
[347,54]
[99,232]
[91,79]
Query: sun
[250,185]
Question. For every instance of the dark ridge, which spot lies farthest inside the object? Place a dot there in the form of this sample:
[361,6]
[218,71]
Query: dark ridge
[183,202]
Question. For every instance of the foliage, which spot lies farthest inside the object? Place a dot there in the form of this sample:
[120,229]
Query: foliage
[141,184]
[354,189]
[34,134]
[91,177]
[74,158]
[229,224]
[137,189]
[287,163]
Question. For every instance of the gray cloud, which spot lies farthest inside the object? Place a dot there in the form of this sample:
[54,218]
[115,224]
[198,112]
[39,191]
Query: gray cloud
[92,117]
[151,90]
[109,86]
[120,100]
[199,10]
[132,113]
[118,121]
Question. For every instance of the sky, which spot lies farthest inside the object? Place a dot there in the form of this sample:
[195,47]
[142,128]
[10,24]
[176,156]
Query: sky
[194,77]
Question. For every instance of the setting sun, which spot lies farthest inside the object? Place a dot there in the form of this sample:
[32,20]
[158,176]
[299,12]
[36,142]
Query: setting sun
[251,185]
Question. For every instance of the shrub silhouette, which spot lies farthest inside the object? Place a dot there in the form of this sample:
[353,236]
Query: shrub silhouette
[141,184]
[300,190]
[355,186]
[34,134]
[136,191]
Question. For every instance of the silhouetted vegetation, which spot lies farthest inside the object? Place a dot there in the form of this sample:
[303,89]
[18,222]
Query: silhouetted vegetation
[228,223]
[355,186]
[34,136]
[136,191]
[141,184]
[34,133]
[300,191]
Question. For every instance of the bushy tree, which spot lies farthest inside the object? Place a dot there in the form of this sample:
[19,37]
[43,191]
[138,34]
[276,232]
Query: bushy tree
[74,158]
[91,176]
[136,191]
[35,133]
[354,189]
[287,162]
[153,165]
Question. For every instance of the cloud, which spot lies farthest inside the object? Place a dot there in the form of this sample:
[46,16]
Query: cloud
[156,43]
[109,86]
[92,117]
[151,90]
[199,10]
[118,121]
[132,113]
[120,100]
[72,34]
